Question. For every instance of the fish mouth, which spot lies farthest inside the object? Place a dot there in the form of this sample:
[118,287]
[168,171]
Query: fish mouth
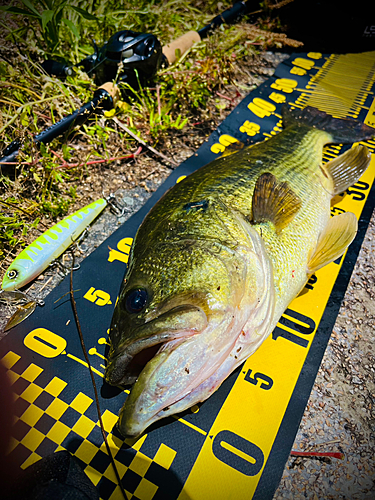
[127,360]
[171,379]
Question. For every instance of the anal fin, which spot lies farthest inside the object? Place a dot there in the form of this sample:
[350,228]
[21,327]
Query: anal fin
[274,201]
[340,232]
[347,168]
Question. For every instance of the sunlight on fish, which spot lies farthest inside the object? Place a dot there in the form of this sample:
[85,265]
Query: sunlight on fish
[220,257]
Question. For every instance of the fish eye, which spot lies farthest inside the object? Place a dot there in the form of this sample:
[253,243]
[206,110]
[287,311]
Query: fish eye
[136,300]
[12,274]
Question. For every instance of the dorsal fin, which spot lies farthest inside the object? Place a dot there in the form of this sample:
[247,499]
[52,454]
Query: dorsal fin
[274,201]
[347,168]
[339,233]
[341,129]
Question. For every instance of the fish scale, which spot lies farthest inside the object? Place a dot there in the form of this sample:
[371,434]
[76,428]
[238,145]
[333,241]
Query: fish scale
[219,258]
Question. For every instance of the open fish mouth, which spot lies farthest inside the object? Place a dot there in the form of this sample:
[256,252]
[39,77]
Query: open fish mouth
[126,361]
[126,367]
[173,378]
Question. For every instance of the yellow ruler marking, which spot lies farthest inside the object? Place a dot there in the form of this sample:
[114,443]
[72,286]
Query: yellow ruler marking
[342,85]
[189,424]
[370,118]
[240,440]
[85,364]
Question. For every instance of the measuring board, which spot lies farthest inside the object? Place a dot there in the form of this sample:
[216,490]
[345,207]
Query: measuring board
[236,444]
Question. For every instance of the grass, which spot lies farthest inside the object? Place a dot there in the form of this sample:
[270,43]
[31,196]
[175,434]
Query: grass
[48,181]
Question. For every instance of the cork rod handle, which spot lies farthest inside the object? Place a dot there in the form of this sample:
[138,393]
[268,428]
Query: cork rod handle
[183,43]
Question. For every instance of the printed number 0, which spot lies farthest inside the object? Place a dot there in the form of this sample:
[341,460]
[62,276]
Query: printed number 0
[45,342]
[261,108]
[230,449]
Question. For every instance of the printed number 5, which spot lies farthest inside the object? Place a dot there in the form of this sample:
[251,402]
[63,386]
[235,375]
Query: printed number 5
[267,381]
[99,297]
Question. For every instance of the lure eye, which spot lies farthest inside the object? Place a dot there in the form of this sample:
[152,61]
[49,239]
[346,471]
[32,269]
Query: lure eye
[12,274]
[136,300]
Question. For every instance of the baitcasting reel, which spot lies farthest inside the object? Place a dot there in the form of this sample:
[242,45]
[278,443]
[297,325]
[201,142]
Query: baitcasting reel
[128,56]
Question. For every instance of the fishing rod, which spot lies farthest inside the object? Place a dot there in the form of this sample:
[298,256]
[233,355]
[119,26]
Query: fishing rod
[128,57]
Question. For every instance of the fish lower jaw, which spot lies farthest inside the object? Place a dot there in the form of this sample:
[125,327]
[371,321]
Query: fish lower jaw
[125,369]
[132,423]
[131,429]
[183,384]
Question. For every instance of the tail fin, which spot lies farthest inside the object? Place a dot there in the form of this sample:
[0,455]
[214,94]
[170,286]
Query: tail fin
[341,129]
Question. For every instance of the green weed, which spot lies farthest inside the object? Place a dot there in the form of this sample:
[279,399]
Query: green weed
[51,16]
[48,181]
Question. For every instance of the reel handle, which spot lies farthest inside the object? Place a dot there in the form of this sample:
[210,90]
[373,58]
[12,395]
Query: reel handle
[103,99]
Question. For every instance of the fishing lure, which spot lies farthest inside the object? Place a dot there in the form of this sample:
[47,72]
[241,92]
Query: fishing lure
[36,257]
[13,297]
[23,312]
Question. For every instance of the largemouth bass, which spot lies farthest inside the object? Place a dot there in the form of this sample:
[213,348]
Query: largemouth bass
[219,258]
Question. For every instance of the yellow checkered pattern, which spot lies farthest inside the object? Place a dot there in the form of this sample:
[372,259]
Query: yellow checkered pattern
[32,438]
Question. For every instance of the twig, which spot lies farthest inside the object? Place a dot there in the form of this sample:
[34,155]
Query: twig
[224,97]
[317,454]
[333,441]
[93,383]
[73,165]
[46,283]
[128,131]
[271,7]
[20,109]
[65,294]
[13,103]
[93,162]
[34,162]
[8,84]
[21,210]
[158,98]
[280,4]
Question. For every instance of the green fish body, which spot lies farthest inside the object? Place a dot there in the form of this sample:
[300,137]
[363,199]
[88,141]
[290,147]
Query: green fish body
[219,258]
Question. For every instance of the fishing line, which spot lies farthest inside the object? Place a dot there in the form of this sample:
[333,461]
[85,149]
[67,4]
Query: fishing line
[93,383]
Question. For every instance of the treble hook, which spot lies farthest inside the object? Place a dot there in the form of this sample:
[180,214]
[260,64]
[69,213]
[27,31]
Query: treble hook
[118,209]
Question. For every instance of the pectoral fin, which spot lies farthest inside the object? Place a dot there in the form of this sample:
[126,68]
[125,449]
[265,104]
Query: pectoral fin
[347,168]
[338,235]
[274,201]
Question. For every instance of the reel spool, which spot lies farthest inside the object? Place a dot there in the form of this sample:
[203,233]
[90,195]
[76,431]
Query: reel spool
[138,53]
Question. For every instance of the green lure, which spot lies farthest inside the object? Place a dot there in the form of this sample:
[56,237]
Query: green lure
[35,258]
